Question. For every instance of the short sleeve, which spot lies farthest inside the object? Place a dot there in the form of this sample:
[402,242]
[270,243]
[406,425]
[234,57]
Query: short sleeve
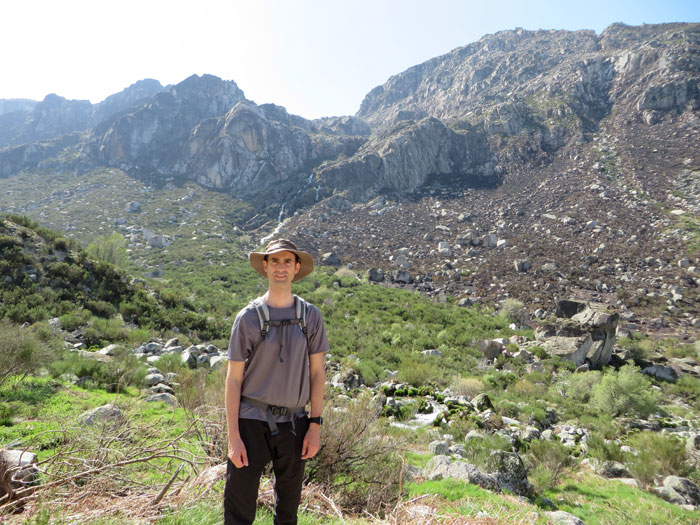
[318,340]
[239,346]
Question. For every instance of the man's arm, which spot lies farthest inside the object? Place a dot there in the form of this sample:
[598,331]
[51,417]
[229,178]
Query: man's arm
[317,377]
[234,378]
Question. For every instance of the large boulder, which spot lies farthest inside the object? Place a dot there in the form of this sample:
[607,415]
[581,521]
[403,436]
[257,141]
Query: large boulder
[17,469]
[679,490]
[108,413]
[510,472]
[574,349]
[590,329]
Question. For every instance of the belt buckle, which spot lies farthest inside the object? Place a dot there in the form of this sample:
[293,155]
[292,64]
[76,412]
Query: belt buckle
[278,411]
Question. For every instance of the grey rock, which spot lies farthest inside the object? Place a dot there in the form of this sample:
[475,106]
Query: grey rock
[522,265]
[482,402]
[491,349]
[330,259]
[17,469]
[217,361]
[104,414]
[133,207]
[560,517]
[162,388]
[574,349]
[402,276]
[510,472]
[612,469]
[375,275]
[685,488]
[432,352]
[469,473]
[665,373]
[189,358]
[439,448]
[153,379]
[166,398]
[436,467]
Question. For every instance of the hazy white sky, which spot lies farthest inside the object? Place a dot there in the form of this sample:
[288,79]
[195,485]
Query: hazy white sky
[315,57]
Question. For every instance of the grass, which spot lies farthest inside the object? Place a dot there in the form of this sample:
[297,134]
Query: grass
[597,500]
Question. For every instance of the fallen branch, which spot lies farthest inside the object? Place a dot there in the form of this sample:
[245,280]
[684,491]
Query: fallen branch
[167,485]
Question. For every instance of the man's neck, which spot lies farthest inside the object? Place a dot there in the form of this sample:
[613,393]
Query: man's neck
[279,297]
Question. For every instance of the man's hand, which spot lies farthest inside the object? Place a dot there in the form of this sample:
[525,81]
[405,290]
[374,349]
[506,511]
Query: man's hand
[237,453]
[312,441]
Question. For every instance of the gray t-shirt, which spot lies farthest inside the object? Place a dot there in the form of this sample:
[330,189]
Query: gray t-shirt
[278,373]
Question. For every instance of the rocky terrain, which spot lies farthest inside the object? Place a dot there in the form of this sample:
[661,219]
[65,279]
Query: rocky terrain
[538,165]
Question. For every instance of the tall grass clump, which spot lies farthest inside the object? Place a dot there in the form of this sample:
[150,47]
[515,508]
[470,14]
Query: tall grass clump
[656,455]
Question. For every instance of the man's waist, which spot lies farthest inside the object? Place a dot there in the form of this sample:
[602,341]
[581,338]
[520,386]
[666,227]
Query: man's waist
[275,410]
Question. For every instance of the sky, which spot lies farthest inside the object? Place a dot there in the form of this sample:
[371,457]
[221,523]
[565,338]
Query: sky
[314,57]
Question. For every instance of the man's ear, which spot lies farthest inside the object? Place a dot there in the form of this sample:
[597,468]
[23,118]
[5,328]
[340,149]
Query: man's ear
[264,265]
[297,268]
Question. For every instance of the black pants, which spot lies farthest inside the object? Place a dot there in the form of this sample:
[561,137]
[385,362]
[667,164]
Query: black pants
[284,449]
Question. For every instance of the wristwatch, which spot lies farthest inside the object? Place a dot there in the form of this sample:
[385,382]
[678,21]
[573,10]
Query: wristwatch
[318,420]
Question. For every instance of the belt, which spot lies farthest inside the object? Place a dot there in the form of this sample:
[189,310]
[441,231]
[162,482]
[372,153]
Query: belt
[272,410]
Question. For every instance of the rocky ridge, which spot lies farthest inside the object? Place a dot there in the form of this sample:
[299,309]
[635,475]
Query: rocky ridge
[533,164]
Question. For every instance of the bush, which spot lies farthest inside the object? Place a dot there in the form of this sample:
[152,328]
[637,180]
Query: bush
[111,249]
[500,380]
[114,376]
[626,392]
[547,461]
[513,310]
[478,450]
[603,449]
[657,455]
[467,386]
[356,462]
[418,373]
[21,350]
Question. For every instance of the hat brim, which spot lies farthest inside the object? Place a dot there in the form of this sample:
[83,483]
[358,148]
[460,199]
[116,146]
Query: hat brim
[307,262]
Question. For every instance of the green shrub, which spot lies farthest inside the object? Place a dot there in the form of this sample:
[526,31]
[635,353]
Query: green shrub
[356,463]
[74,320]
[500,380]
[169,363]
[603,449]
[626,392]
[547,461]
[110,249]
[478,450]
[369,371]
[101,308]
[21,350]
[419,373]
[114,376]
[513,310]
[657,455]
[507,408]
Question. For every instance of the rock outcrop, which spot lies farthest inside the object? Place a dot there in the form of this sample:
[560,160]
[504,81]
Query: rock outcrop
[583,333]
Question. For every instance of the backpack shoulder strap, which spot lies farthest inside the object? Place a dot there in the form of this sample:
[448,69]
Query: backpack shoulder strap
[263,313]
[301,313]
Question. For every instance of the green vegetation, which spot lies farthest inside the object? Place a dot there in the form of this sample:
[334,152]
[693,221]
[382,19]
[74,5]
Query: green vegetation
[202,281]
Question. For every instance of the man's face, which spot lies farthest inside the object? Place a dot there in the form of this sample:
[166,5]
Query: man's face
[280,268]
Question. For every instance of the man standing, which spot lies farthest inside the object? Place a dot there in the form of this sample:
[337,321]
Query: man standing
[276,366]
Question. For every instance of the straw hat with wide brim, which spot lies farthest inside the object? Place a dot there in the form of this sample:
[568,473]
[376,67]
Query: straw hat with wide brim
[282,245]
